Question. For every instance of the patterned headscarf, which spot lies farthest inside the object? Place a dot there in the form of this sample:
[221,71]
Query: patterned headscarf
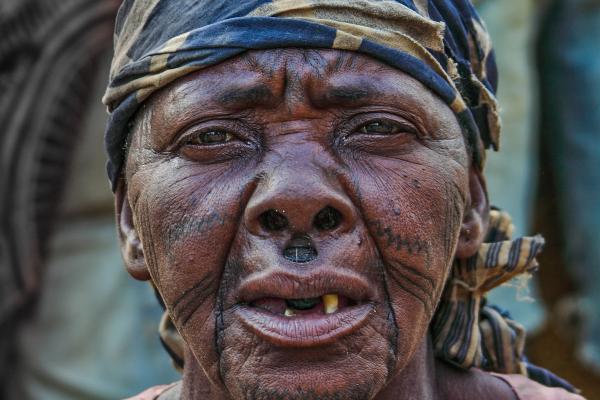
[441,43]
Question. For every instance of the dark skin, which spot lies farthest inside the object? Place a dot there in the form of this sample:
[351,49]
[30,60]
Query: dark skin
[287,175]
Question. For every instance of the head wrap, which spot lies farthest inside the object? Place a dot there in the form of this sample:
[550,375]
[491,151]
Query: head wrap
[441,43]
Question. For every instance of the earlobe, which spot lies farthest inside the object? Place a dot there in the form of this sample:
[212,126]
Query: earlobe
[476,217]
[131,246]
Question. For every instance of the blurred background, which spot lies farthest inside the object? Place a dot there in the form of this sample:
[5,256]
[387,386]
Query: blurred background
[74,325]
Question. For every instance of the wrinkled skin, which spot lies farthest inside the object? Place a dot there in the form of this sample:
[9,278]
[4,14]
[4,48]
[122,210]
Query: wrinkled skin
[296,131]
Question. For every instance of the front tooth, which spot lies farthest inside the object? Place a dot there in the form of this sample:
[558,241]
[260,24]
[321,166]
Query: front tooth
[289,313]
[330,301]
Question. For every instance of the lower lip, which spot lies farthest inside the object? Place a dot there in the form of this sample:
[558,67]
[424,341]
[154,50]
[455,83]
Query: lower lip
[304,330]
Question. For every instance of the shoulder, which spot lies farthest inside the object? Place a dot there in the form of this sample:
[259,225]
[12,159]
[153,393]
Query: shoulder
[527,389]
[156,392]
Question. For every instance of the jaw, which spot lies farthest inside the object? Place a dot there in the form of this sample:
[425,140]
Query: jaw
[276,374]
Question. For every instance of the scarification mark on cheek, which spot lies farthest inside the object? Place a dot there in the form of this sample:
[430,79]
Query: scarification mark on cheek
[232,270]
[452,218]
[194,225]
[412,281]
[148,244]
[394,330]
[396,239]
[192,299]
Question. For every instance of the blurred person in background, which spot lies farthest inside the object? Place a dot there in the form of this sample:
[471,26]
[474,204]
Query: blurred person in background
[568,61]
[512,172]
[73,326]
[549,61]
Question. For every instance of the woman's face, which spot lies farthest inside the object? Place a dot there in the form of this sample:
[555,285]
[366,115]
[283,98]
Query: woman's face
[299,212]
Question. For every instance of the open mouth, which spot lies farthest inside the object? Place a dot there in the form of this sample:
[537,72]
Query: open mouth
[312,312]
[322,305]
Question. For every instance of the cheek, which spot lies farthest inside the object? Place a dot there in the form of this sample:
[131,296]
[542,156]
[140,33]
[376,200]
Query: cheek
[188,217]
[415,226]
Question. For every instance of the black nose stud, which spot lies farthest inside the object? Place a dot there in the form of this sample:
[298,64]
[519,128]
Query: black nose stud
[300,250]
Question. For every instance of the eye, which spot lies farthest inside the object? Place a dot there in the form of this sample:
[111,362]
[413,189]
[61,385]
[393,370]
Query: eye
[210,138]
[382,127]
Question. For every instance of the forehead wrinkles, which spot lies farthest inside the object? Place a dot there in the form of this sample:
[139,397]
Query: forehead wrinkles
[297,66]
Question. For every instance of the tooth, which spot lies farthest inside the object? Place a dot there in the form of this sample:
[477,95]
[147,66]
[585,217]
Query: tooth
[330,301]
[288,312]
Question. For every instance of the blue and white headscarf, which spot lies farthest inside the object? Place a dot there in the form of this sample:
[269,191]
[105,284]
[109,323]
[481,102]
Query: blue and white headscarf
[441,43]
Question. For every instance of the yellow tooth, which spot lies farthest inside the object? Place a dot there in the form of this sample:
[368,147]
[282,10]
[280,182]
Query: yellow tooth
[330,301]
[288,312]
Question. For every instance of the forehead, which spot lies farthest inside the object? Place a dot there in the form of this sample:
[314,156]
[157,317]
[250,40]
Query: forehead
[321,77]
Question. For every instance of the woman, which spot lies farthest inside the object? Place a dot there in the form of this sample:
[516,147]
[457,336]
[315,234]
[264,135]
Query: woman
[302,182]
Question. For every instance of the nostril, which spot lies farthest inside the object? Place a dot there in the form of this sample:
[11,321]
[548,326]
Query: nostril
[273,221]
[327,219]
[300,250]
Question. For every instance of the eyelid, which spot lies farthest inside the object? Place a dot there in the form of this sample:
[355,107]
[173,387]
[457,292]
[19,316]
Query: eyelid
[404,127]
[233,128]
[196,134]
[404,123]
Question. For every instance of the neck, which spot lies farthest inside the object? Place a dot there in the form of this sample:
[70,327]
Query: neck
[418,380]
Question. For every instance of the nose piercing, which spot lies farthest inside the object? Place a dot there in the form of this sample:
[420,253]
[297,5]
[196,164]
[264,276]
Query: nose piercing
[300,250]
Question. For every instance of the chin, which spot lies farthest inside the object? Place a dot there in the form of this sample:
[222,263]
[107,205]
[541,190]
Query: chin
[301,385]
[355,367]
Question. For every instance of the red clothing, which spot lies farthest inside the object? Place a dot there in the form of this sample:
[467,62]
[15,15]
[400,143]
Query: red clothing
[526,389]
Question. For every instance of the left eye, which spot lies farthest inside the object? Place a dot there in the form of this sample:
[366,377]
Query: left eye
[211,137]
[380,127]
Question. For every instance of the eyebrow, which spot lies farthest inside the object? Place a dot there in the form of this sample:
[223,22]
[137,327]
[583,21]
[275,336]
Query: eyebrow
[348,93]
[245,97]
[351,94]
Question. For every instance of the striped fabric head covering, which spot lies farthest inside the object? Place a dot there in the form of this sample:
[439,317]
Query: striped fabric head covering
[441,43]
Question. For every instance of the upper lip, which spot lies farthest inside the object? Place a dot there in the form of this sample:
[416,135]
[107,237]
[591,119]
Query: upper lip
[292,285]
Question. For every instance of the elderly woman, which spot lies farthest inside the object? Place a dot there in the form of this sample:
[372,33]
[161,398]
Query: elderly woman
[302,183]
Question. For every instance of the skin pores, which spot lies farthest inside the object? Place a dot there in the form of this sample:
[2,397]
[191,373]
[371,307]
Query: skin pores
[235,170]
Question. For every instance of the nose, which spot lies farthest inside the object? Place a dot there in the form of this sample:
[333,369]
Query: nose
[299,204]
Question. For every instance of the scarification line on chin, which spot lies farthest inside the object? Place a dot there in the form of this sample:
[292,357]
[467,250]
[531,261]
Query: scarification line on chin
[193,298]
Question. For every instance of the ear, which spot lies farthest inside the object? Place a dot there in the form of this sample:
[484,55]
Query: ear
[476,217]
[131,246]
